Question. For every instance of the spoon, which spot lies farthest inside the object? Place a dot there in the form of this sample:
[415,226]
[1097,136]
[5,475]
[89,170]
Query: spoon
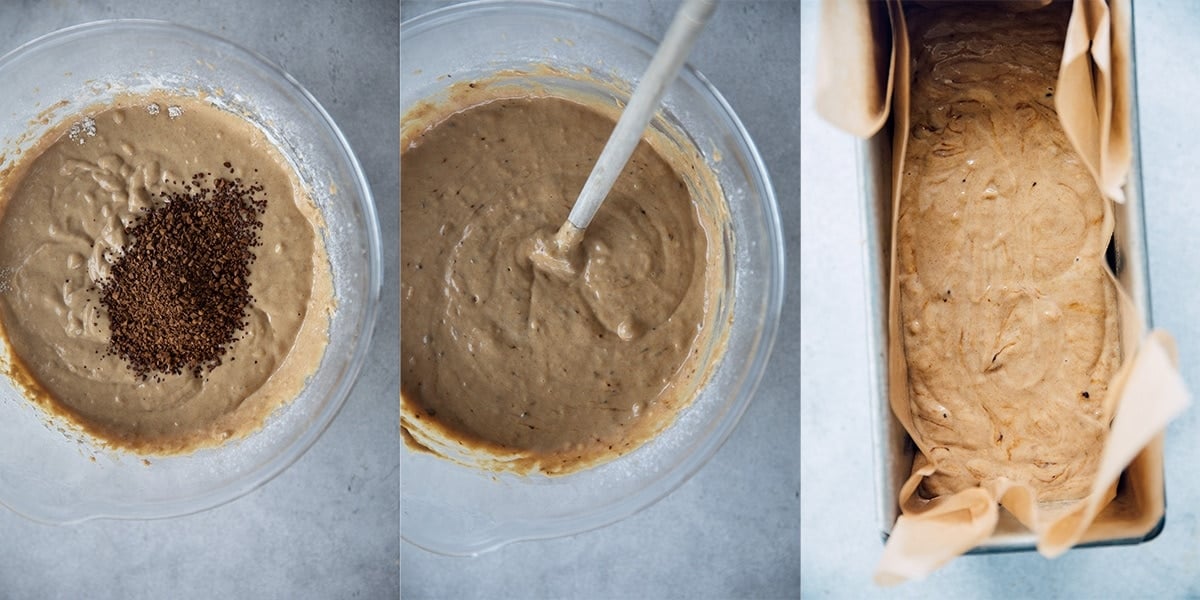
[681,35]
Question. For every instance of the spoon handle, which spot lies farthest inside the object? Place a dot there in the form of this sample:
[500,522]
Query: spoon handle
[684,29]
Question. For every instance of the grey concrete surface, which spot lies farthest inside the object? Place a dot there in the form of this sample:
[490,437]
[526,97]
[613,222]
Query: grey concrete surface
[328,527]
[732,530]
[839,534]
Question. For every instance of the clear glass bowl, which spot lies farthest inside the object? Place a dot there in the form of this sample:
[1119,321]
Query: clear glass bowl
[451,509]
[50,476]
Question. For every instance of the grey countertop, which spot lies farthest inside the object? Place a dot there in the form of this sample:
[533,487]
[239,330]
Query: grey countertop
[731,531]
[838,530]
[328,526]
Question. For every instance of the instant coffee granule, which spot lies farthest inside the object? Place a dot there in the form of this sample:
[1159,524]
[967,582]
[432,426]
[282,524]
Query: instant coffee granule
[177,295]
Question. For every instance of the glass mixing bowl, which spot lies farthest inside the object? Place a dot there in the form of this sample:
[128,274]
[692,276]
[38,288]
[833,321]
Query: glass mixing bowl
[452,509]
[49,475]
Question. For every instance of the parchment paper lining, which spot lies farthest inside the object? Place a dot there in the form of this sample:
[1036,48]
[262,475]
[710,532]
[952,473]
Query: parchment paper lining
[1093,100]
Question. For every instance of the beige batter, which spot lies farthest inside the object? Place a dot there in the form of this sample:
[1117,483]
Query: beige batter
[1009,319]
[497,354]
[64,211]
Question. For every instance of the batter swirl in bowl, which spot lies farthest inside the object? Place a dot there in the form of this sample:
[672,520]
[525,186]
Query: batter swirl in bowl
[551,372]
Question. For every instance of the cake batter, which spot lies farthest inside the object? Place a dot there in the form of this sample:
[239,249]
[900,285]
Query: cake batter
[1009,318]
[564,368]
[65,212]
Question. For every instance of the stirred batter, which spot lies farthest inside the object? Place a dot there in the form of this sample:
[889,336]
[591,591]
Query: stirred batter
[563,369]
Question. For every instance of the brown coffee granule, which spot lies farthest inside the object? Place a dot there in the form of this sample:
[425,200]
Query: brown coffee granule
[178,293]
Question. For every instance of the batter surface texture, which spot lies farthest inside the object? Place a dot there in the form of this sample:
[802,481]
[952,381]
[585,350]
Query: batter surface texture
[1008,317]
[502,355]
[65,214]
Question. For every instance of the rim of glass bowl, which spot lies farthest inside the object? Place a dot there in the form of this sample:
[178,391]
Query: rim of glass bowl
[535,529]
[266,471]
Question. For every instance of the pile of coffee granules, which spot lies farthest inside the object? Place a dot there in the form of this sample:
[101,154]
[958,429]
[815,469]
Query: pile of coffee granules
[177,295]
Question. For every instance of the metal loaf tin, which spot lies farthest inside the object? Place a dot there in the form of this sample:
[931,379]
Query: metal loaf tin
[1138,514]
